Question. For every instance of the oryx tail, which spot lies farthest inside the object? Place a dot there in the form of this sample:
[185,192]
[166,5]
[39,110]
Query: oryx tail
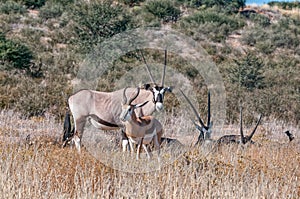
[68,130]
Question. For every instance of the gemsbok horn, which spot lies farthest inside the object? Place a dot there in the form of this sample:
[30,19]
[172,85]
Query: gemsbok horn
[140,130]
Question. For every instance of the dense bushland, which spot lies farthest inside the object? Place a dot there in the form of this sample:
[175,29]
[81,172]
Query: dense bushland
[43,42]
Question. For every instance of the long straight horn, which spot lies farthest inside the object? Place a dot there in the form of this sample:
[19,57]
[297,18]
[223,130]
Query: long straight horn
[124,100]
[194,109]
[208,109]
[241,125]
[135,96]
[147,67]
[251,135]
[164,70]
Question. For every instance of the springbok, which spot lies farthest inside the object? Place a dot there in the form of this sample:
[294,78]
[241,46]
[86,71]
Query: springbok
[103,108]
[140,130]
[205,130]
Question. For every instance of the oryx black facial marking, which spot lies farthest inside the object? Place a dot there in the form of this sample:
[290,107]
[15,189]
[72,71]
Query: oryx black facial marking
[158,95]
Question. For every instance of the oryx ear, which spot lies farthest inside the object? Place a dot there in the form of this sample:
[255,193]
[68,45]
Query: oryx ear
[147,86]
[169,89]
[141,104]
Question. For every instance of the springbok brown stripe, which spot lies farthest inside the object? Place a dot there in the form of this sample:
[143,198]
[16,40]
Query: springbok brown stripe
[101,121]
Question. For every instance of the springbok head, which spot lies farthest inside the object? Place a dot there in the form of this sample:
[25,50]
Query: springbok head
[127,106]
[157,90]
[204,130]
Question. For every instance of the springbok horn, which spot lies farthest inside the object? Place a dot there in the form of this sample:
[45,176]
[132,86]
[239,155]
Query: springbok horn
[208,109]
[147,67]
[135,96]
[241,125]
[164,70]
[194,109]
[124,101]
[251,135]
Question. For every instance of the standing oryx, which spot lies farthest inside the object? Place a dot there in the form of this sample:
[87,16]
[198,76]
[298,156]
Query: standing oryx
[140,130]
[205,130]
[103,108]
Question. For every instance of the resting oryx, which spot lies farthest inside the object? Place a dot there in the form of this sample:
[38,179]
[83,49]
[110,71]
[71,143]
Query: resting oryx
[140,130]
[103,108]
[205,130]
[240,139]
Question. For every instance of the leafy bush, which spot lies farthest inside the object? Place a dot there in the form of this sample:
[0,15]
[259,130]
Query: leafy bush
[11,7]
[190,3]
[14,54]
[261,20]
[215,25]
[164,10]
[33,4]
[51,10]
[94,21]
[131,2]
[226,5]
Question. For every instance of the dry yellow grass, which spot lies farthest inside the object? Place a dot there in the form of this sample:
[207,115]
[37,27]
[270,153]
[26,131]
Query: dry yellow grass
[40,168]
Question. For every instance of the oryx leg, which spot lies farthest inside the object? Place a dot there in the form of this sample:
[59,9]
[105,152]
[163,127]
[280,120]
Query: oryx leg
[79,125]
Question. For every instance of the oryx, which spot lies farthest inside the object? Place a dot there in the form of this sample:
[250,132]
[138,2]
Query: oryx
[103,108]
[205,130]
[140,130]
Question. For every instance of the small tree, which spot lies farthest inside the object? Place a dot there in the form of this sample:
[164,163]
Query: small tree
[248,72]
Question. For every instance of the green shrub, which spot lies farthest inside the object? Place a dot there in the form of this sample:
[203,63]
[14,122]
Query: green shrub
[51,10]
[164,10]
[33,4]
[216,26]
[260,19]
[14,54]
[11,7]
[228,6]
[95,21]
[131,2]
[190,3]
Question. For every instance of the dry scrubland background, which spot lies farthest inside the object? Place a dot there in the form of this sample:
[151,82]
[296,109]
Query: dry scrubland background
[256,51]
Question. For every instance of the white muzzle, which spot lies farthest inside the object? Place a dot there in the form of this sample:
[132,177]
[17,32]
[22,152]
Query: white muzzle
[159,106]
